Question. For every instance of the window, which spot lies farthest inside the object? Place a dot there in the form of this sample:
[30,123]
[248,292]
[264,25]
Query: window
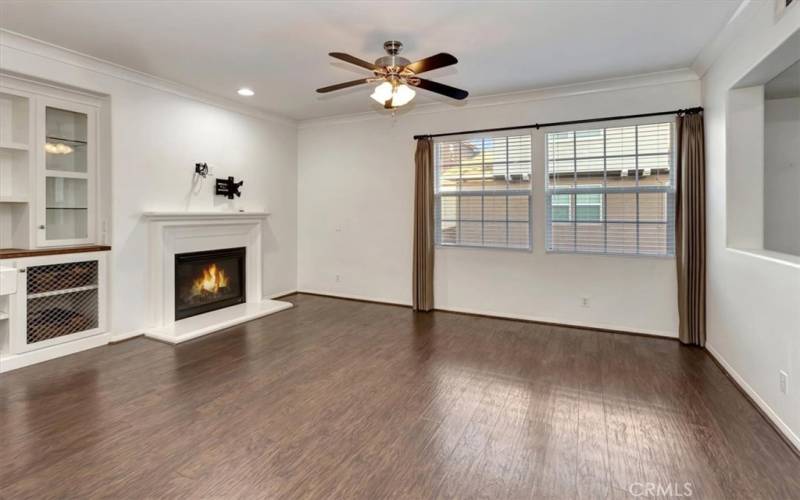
[610,190]
[483,192]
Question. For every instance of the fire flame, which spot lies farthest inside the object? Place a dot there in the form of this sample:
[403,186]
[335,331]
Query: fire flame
[212,280]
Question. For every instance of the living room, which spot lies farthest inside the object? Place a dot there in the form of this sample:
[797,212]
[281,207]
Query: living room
[526,249]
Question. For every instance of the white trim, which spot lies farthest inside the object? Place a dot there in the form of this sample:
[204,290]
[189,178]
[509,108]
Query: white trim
[545,93]
[190,216]
[33,46]
[13,361]
[558,322]
[765,408]
[783,259]
[354,297]
[282,294]
[714,48]
[120,337]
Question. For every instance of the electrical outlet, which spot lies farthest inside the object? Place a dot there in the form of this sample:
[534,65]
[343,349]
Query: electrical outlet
[584,301]
[783,381]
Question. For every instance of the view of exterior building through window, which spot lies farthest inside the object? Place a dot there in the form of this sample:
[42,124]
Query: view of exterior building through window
[483,192]
[610,190]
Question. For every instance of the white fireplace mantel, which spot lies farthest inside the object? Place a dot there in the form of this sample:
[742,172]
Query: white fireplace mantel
[188,216]
[171,233]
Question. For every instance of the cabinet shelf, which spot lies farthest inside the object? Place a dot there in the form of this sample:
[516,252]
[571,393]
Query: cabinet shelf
[13,199]
[61,292]
[67,208]
[71,142]
[3,315]
[16,146]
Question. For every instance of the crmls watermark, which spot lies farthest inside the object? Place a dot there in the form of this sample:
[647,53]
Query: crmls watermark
[655,490]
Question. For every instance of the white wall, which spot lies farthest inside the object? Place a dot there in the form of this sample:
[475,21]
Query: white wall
[157,135]
[753,298]
[782,175]
[355,186]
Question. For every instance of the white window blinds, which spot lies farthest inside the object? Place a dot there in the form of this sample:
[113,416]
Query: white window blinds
[610,190]
[483,192]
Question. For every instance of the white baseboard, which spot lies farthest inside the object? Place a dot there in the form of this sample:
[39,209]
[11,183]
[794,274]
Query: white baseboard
[763,406]
[13,361]
[119,337]
[281,294]
[559,322]
[354,297]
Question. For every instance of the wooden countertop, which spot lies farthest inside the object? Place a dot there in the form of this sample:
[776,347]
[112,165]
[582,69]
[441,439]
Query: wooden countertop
[16,253]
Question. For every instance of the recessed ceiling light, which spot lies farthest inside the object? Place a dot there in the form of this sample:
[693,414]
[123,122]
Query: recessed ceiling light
[246,92]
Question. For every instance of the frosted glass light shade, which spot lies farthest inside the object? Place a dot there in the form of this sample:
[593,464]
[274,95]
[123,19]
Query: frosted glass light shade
[383,92]
[402,95]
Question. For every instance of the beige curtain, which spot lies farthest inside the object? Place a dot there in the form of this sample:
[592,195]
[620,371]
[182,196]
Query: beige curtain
[423,226]
[690,229]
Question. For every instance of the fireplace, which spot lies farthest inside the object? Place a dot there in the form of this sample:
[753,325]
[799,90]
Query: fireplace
[209,280]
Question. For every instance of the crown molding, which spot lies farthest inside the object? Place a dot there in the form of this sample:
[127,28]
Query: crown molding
[555,92]
[33,46]
[732,29]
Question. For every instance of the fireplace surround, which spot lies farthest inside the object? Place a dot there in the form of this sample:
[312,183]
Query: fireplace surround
[172,234]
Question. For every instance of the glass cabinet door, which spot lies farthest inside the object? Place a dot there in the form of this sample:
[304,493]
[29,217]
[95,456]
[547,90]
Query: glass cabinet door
[67,177]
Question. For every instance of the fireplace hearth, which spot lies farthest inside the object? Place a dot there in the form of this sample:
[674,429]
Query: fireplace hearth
[209,280]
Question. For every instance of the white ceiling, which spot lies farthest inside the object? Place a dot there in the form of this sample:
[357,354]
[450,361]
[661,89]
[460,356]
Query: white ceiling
[280,48]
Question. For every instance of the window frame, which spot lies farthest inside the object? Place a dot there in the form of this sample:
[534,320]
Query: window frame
[508,192]
[669,190]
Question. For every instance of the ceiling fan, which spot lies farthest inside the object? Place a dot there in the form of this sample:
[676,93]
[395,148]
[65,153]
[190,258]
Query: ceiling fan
[397,75]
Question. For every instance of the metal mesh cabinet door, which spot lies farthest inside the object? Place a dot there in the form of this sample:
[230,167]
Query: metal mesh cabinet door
[62,300]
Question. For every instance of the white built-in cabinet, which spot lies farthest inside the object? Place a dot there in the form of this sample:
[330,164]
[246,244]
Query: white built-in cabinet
[48,166]
[52,301]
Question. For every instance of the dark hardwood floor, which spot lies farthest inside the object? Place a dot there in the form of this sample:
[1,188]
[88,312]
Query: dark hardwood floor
[343,399]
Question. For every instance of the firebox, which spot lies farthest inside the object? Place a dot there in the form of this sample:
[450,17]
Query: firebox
[209,280]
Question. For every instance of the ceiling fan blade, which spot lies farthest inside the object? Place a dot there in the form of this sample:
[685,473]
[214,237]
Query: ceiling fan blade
[440,60]
[353,60]
[441,88]
[340,86]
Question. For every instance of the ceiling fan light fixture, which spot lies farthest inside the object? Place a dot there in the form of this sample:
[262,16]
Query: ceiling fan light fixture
[383,92]
[399,94]
[402,95]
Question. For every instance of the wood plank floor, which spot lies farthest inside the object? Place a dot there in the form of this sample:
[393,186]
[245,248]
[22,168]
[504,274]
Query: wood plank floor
[343,399]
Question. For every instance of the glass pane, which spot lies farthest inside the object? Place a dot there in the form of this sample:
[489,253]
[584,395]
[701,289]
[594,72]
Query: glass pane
[621,207]
[621,141]
[655,138]
[653,207]
[653,239]
[621,238]
[621,171]
[589,237]
[471,208]
[655,170]
[65,146]
[471,233]
[448,208]
[518,236]
[66,208]
[494,208]
[560,207]
[494,234]
[449,232]
[562,236]
[518,208]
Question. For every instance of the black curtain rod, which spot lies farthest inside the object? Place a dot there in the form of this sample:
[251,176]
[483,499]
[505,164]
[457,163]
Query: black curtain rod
[537,126]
